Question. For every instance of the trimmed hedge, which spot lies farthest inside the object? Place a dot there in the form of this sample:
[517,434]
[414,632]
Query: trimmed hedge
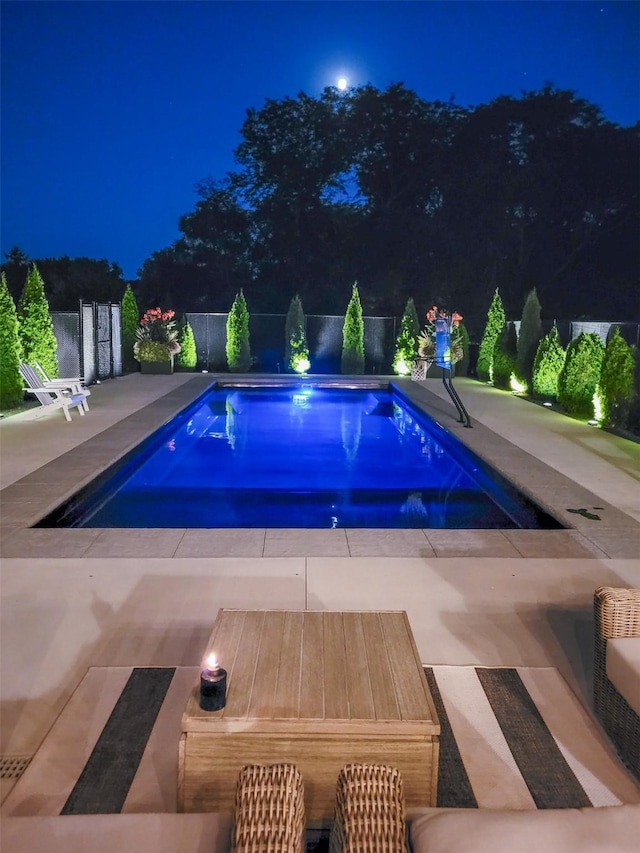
[529,338]
[187,357]
[407,342]
[616,380]
[494,325]
[11,383]
[352,361]
[295,349]
[36,326]
[504,357]
[237,347]
[129,320]
[580,374]
[547,365]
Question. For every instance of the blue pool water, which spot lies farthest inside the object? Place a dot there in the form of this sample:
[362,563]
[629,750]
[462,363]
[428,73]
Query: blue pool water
[302,457]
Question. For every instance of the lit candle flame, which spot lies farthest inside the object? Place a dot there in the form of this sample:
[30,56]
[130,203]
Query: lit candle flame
[212,662]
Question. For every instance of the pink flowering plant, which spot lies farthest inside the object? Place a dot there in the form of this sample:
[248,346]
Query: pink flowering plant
[156,336]
[427,338]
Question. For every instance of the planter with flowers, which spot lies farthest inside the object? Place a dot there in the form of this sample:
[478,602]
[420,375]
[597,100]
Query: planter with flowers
[156,341]
[441,341]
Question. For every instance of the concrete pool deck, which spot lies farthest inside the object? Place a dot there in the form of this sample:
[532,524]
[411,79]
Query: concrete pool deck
[73,599]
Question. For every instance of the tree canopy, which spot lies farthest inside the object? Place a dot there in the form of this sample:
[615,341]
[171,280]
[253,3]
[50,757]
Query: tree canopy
[66,280]
[415,199]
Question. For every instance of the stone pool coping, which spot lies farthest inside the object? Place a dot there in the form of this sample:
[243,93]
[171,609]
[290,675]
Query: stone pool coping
[614,535]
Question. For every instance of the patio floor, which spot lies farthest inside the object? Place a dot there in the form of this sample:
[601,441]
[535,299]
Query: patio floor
[73,599]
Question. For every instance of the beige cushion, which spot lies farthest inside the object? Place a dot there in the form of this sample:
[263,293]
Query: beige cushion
[623,668]
[118,833]
[614,829]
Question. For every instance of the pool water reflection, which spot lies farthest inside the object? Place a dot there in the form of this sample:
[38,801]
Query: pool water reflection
[303,457]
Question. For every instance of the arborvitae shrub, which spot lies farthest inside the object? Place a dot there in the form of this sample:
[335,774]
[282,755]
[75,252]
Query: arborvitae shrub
[579,376]
[547,365]
[462,366]
[407,342]
[529,338]
[631,420]
[296,351]
[11,383]
[129,319]
[353,336]
[504,357]
[187,357]
[495,322]
[36,326]
[616,379]
[237,347]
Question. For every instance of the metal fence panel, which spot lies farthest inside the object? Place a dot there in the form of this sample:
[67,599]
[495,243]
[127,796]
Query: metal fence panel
[90,345]
[116,339]
[66,327]
[89,366]
[89,341]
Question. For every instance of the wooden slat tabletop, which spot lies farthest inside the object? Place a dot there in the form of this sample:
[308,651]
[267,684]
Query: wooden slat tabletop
[340,671]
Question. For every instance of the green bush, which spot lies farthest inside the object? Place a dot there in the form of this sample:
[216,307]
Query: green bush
[36,326]
[152,351]
[616,380]
[462,366]
[237,347]
[494,325]
[11,383]
[187,357]
[548,363]
[296,351]
[407,342]
[129,319]
[580,375]
[529,338]
[631,420]
[353,336]
[504,357]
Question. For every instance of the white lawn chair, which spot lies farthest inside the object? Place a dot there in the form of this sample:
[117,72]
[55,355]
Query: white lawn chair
[52,398]
[74,384]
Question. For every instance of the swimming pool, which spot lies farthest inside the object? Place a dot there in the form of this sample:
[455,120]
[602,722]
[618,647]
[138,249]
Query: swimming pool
[301,456]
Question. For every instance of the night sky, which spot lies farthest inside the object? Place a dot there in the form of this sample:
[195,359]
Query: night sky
[112,111]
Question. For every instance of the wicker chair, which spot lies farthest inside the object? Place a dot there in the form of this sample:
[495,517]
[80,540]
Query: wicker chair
[616,614]
[369,813]
[269,810]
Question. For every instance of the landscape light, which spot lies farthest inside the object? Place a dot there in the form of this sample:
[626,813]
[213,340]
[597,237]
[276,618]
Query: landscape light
[598,410]
[516,386]
[402,368]
[301,364]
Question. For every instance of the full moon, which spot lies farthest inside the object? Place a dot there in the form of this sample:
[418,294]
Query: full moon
[342,83]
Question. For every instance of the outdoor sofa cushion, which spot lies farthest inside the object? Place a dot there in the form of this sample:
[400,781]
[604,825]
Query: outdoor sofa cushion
[591,830]
[623,668]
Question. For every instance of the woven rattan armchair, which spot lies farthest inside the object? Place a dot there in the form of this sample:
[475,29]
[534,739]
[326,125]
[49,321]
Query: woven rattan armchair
[269,811]
[616,614]
[369,813]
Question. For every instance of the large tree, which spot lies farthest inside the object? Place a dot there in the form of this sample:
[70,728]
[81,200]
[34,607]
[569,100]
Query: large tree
[383,186]
[67,280]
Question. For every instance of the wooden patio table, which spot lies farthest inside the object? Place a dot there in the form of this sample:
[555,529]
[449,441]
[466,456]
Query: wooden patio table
[318,689]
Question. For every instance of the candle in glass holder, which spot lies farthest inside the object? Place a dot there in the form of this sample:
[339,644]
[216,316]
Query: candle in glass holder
[213,685]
